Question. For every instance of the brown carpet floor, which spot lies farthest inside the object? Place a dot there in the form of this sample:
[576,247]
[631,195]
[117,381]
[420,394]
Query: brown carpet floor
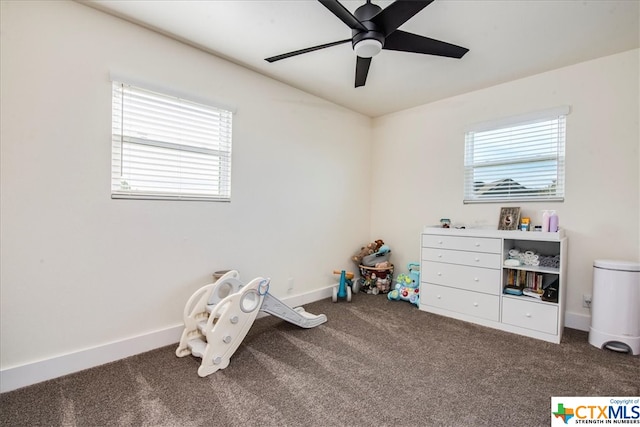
[374,363]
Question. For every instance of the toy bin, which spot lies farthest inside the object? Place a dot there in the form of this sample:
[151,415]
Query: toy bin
[375,280]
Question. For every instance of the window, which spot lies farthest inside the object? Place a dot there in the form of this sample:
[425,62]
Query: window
[517,159]
[165,147]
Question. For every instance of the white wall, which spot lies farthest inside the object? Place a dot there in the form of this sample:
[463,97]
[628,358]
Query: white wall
[79,269]
[418,154]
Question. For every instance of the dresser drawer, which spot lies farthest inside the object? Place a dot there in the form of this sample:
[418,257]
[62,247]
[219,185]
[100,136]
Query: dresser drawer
[461,276]
[466,302]
[475,259]
[530,315]
[475,244]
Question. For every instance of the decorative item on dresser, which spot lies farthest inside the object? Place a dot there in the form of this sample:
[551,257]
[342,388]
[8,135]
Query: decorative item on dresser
[509,219]
[464,275]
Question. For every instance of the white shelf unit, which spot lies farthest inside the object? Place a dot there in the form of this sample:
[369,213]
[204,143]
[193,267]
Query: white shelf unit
[463,276]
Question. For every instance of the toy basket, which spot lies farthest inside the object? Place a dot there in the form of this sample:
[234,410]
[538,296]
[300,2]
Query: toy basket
[375,280]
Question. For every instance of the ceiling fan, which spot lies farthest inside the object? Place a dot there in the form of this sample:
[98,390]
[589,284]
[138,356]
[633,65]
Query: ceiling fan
[374,29]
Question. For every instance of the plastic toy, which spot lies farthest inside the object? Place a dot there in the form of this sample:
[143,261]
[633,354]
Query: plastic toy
[343,289]
[382,255]
[218,316]
[407,286]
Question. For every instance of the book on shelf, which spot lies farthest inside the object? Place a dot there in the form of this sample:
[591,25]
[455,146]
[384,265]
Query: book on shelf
[525,279]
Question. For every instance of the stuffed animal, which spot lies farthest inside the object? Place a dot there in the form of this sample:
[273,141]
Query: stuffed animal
[384,249]
[407,286]
[383,284]
[385,264]
[364,251]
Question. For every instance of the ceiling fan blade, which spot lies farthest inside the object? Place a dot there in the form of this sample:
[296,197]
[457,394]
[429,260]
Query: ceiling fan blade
[397,13]
[362,69]
[306,50]
[408,42]
[343,14]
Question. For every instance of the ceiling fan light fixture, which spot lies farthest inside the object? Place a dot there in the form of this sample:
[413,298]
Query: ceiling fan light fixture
[367,48]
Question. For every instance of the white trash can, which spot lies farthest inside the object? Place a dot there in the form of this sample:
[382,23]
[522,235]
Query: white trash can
[615,306]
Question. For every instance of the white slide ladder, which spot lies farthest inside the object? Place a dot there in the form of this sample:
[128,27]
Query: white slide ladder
[218,316]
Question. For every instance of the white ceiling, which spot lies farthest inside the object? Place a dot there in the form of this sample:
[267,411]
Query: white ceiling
[507,39]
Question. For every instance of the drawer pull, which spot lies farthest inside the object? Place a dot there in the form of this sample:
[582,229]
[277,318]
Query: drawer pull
[476,279]
[439,274]
[477,259]
[439,255]
[439,297]
[477,245]
[528,314]
[439,242]
[475,304]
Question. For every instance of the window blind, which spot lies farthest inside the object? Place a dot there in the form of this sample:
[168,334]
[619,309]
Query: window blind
[165,147]
[521,159]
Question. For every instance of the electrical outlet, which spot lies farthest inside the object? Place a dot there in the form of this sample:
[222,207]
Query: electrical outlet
[586,300]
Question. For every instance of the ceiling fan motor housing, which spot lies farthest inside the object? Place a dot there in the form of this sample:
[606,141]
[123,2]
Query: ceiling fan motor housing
[364,14]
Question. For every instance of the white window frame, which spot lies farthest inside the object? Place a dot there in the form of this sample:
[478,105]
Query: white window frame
[165,147]
[515,159]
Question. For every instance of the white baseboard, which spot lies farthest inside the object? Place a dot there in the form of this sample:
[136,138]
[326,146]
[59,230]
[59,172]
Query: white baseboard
[581,322]
[32,373]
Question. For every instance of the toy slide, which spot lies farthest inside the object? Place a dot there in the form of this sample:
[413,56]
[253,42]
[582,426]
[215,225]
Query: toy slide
[218,316]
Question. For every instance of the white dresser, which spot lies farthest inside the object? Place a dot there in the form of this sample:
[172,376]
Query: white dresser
[463,276]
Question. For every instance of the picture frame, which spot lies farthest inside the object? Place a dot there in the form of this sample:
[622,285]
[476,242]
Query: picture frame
[509,219]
